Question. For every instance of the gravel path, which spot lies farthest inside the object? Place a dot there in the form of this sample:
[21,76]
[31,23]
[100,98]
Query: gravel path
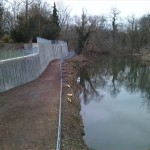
[29,113]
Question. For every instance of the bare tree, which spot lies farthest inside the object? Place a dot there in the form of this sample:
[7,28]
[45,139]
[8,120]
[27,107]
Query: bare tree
[114,18]
[131,23]
[144,29]
[101,37]
[40,14]
[11,12]
[64,20]
[133,33]
[85,25]
[27,3]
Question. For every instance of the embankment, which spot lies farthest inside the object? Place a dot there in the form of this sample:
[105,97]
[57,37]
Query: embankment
[72,125]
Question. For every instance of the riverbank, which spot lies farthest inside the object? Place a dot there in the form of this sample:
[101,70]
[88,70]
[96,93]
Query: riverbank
[72,125]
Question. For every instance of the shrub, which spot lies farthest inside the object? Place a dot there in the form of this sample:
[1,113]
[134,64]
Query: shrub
[6,39]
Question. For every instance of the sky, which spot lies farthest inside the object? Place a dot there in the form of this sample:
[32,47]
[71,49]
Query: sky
[99,7]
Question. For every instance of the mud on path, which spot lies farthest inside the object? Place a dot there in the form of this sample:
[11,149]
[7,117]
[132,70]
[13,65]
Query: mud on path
[29,113]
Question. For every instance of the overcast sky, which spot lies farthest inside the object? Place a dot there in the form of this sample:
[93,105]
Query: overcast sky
[98,7]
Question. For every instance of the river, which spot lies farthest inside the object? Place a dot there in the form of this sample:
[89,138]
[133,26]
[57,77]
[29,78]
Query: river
[115,104]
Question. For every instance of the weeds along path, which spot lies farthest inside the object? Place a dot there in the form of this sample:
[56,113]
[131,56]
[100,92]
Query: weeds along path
[29,113]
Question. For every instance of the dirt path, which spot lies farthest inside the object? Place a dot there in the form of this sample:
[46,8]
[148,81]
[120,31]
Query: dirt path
[29,113]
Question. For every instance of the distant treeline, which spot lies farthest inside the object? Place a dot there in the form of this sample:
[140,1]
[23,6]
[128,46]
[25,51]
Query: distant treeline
[20,22]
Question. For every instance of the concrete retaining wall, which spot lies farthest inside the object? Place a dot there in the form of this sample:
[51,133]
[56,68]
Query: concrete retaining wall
[21,70]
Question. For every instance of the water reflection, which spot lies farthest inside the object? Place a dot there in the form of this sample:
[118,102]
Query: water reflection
[115,93]
[89,87]
[111,74]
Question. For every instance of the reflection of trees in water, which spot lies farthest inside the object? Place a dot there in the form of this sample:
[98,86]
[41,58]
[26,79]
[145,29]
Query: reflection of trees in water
[113,73]
[89,87]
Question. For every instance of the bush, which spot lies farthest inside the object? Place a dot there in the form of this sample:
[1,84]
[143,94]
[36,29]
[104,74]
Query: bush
[20,34]
[6,39]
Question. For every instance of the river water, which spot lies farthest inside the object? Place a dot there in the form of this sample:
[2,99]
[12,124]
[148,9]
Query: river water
[115,103]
